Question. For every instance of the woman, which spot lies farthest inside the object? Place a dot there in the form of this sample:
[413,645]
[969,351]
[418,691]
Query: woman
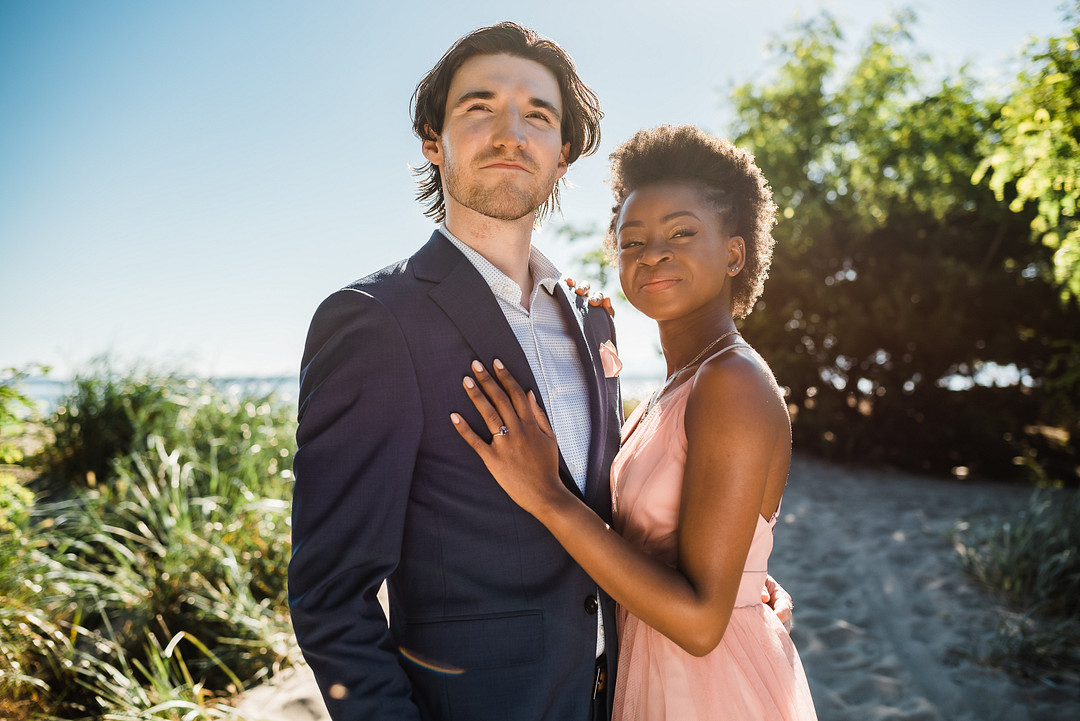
[696,487]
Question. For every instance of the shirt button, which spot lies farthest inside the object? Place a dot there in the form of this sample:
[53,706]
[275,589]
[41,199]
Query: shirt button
[591,605]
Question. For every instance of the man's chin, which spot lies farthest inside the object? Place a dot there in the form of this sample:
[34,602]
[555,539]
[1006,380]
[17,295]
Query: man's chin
[503,200]
[508,209]
[512,216]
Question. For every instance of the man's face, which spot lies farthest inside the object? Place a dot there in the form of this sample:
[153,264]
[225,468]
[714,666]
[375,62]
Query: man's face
[501,150]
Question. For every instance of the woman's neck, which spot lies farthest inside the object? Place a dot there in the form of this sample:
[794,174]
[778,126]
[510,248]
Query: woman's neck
[686,341]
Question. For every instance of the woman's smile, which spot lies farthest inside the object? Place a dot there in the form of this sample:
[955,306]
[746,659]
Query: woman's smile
[658,285]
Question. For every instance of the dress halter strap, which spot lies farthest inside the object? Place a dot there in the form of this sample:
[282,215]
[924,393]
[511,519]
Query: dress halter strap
[660,391]
[725,349]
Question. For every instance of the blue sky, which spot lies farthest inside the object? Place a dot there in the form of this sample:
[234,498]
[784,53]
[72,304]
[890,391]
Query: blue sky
[182,183]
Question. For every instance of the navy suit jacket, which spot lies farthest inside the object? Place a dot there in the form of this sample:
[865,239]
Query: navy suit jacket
[489,617]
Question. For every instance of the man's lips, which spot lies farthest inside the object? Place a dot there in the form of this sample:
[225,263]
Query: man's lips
[505,165]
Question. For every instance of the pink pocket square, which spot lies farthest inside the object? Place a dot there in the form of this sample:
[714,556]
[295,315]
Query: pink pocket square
[610,359]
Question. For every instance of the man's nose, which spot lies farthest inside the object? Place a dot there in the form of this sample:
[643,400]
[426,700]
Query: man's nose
[510,130]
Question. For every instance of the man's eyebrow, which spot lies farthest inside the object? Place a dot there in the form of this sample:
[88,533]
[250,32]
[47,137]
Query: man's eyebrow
[488,95]
[474,95]
[666,218]
[546,105]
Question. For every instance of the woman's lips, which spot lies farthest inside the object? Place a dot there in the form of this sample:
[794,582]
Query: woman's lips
[658,284]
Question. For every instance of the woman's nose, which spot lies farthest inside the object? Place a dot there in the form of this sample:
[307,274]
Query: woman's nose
[655,251]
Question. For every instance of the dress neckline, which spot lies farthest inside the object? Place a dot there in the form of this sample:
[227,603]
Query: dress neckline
[668,397]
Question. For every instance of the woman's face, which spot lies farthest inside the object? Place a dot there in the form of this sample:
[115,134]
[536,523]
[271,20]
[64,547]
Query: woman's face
[676,258]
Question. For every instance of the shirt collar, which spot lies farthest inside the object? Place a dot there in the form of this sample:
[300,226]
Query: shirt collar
[543,270]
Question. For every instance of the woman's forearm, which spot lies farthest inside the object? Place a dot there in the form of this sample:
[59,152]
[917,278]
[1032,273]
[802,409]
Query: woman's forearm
[661,596]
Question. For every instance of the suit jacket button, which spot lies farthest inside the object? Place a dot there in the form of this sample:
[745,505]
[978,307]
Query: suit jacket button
[591,605]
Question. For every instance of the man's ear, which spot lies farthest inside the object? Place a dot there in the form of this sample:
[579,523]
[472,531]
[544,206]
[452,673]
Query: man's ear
[431,146]
[564,165]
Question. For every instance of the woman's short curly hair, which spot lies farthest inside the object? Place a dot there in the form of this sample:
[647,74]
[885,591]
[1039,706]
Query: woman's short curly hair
[729,179]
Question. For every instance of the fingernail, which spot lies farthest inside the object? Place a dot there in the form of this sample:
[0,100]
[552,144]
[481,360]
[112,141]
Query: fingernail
[499,364]
[469,382]
[455,418]
[478,366]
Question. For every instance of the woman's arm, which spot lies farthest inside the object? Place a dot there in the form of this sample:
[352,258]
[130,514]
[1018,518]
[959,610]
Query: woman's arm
[732,426]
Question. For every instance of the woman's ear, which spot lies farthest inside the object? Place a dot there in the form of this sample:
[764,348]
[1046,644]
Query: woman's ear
[736,255]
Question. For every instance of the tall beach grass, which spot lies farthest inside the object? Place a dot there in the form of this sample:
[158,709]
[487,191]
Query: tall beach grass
[1032,561]
[146,579]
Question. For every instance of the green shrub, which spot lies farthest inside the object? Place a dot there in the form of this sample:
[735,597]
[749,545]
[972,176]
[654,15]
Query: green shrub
[1033,559]
[161,566]
[155,565]
[15,504]
[103,418]
[29,640]
[32,644]
[16,407]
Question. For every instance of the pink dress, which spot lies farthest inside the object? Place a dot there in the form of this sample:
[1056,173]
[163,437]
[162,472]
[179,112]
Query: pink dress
[754,673]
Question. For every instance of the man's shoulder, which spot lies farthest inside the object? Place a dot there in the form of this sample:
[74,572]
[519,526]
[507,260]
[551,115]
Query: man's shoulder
[387,292]
[428,263]
[383,279]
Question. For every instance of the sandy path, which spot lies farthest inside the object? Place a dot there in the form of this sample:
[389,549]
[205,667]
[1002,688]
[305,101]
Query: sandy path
[885,621]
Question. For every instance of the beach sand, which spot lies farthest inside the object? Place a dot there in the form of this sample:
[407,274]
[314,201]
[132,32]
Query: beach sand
[886,621]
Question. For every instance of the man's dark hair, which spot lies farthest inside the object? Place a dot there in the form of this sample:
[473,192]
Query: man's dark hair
[581,109]
[729,181]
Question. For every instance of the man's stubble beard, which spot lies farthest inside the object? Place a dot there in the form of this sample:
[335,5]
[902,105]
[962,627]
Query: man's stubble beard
[505,201]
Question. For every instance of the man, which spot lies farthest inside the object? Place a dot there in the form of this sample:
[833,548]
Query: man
[489,617]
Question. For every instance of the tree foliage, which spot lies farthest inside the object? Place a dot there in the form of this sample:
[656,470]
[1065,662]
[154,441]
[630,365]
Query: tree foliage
[897,281]
[1036,152]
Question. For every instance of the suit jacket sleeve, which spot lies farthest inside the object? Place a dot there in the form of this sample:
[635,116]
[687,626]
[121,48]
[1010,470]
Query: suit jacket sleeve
[359,427]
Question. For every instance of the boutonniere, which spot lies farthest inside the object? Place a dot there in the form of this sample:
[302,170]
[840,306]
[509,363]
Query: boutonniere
[609,358]
[596,300]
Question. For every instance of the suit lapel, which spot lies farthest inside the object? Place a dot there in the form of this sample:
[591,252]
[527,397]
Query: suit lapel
[461,293]
[576,310]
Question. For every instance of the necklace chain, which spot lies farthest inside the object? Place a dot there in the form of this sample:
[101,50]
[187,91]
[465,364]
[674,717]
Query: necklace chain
[660,391]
